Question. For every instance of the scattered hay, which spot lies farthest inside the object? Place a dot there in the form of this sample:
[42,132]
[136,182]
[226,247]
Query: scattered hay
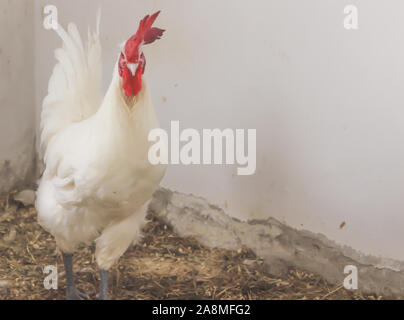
[162,266]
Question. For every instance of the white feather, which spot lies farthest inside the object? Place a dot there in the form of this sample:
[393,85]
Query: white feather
[97,179]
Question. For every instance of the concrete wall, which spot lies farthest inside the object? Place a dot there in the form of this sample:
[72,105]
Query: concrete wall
[17,106]
[327,104]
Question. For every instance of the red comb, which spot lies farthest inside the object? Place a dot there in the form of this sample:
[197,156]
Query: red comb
[146,32]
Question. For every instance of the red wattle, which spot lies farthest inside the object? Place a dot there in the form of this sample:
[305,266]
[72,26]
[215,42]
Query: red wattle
[131,84]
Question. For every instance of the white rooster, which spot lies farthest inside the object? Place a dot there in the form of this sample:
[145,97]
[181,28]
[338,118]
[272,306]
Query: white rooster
[98,180]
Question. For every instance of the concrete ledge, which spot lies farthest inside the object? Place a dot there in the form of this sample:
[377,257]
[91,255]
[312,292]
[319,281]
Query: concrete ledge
[280,246]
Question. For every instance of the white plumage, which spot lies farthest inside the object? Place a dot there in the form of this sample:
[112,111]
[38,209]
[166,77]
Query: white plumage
[98,181]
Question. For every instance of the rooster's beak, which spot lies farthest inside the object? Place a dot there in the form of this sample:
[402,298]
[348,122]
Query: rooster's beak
[132,67]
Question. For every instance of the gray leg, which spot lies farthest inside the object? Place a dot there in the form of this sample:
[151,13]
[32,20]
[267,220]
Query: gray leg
[103,295]
[71,292]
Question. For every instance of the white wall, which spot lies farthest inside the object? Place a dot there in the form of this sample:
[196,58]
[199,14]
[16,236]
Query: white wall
[327,103]
[17,107]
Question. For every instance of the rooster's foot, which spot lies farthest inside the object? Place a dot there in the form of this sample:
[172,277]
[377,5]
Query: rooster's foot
[101,296]
[74,294]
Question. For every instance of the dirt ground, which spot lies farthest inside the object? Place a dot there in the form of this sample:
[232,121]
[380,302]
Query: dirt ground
[162,266]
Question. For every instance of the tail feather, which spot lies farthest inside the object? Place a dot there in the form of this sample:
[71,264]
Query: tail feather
[74,89]
[75,36]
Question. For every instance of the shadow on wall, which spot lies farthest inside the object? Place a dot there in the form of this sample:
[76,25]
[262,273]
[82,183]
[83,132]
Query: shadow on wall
[17,95]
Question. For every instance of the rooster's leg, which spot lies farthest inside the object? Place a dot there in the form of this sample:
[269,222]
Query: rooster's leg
[71,292]
[103,295]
